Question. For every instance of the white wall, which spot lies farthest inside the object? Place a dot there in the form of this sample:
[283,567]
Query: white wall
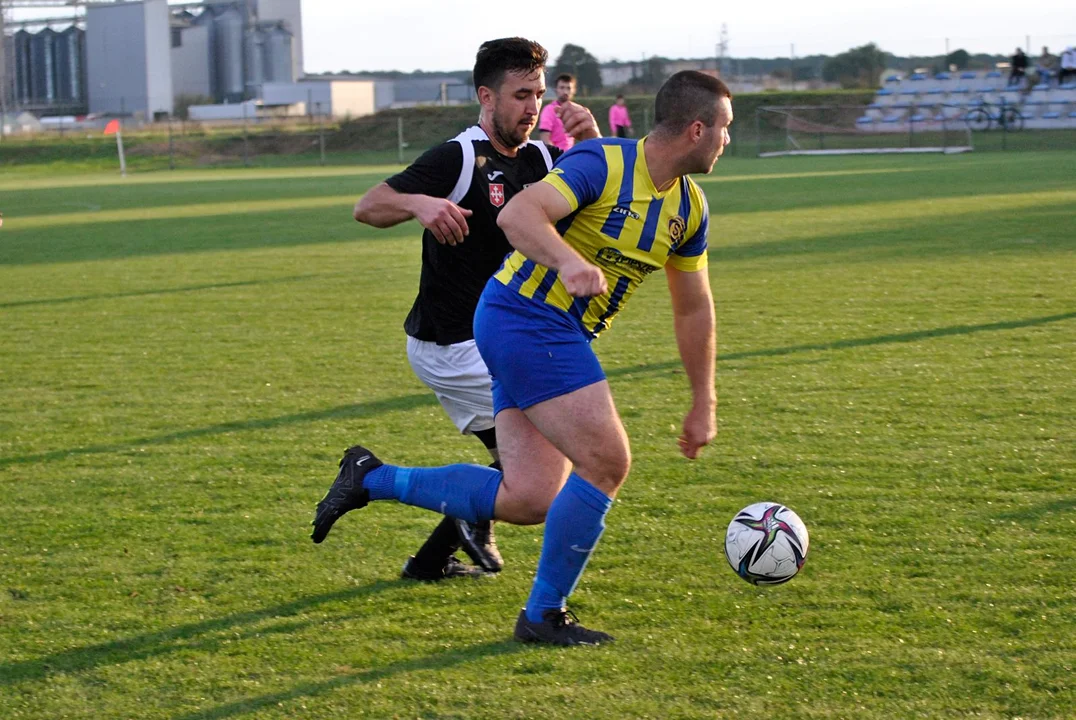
[353,98]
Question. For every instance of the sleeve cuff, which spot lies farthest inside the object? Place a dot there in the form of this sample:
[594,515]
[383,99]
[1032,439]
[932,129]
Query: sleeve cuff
[563,189]
[690,264]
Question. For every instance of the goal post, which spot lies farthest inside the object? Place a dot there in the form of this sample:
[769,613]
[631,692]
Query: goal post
[855,130]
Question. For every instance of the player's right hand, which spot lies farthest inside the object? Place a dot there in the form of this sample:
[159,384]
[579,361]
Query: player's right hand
[581,279]
[446,220]
[578,121]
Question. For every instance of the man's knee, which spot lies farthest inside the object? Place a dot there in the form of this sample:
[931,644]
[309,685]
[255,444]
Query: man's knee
[607,467]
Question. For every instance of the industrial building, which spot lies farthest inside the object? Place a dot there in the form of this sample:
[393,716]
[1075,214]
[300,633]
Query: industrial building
[135,57]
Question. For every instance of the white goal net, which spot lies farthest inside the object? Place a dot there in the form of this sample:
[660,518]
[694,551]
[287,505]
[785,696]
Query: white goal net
[839,130]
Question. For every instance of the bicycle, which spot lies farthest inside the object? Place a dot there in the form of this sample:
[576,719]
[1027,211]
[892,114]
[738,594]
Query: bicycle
[1006,116]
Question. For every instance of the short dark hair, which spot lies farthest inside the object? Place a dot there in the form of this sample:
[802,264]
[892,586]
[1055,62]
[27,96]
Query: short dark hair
[565,77]
[620,97]
[687,96]
[496,58]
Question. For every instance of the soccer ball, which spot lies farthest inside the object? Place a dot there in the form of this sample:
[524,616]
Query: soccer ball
[766,544]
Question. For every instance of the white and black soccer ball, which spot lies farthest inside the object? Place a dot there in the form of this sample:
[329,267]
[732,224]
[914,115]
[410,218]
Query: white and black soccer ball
[766,544]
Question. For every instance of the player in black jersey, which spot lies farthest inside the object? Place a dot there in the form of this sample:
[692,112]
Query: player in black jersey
[456,191]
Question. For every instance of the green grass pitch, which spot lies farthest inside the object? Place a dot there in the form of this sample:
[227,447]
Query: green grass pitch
[184,356]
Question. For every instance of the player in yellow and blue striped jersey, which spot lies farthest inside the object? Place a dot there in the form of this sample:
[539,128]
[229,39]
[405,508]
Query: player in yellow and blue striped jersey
[620,222]
[607,216]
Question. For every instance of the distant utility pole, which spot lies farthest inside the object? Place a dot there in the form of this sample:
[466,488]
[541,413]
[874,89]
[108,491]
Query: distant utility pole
[723,51]
[4,84]
[792,67]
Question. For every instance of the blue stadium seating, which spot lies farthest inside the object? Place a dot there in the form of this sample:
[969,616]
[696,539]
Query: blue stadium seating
[948,97]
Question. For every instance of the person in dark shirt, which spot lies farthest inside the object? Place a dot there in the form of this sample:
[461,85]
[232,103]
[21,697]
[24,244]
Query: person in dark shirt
[1018,67]
[455,191]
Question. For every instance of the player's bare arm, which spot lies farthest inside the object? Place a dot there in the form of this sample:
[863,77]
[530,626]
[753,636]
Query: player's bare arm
[578,121]
[383,207]
[528,223]
[693,318]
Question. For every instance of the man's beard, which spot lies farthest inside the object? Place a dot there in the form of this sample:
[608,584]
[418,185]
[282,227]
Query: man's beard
[509,137]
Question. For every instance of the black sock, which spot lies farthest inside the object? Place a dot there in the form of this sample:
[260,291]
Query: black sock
[443,541]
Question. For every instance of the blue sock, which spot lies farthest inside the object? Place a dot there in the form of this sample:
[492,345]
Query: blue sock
[573,525]
[467,492]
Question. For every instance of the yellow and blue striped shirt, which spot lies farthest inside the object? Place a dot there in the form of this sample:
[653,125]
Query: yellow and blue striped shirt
[620,222]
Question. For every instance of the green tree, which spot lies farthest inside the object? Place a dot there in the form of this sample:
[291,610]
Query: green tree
[960,58]
[584,66]
[856,68]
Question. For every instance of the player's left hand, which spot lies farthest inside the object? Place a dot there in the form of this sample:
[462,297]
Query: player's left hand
[700,427]
[578,121]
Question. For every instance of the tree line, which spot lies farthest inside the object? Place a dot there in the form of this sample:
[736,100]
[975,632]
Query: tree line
[859,67]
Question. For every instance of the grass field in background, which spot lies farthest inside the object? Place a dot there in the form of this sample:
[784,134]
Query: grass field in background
[184,356]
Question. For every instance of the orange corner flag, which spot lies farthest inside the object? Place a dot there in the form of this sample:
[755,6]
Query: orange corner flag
[113,127]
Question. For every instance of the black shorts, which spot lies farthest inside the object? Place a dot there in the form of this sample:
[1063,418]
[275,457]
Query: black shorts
[622,131]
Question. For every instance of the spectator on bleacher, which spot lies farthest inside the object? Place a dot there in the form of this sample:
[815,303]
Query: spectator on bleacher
[1068,65]
[1044,66]
[619,120]
[1018,67]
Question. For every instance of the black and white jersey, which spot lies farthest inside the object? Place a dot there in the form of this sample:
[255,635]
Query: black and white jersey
[470,172]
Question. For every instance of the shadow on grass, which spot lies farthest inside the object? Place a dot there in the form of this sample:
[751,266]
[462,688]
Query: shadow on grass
[185,637]
[341,412]
[167,291]
[1035,512]
[409,402]
[438,661]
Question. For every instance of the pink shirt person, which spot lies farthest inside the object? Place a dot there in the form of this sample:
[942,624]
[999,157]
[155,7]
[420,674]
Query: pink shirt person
[619,118]
[550,123]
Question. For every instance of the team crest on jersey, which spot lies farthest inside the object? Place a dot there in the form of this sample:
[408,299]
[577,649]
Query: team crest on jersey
[677,228]
[496,194]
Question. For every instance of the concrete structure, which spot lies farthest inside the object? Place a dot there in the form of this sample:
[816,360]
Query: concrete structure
[286,14]
[434,90]
[135,56]
[128,58]
[333,97]
[228,111]
[69,54]
[278,55]
[190,58]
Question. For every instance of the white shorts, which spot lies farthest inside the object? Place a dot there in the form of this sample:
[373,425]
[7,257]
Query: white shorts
[458,378]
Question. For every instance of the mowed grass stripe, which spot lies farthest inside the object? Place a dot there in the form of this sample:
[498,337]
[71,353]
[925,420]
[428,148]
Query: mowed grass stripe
[173,212]
[800,223]
[806,223]
[190,176]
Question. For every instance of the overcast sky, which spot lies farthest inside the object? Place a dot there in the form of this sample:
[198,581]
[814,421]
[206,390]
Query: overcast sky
[444,34]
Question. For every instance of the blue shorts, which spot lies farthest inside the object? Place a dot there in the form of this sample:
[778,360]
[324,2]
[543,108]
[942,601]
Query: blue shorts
[534,351]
